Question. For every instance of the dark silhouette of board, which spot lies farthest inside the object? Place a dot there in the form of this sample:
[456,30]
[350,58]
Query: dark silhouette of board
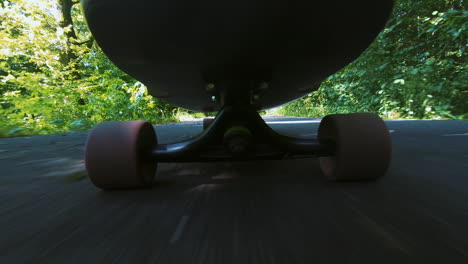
[188,51]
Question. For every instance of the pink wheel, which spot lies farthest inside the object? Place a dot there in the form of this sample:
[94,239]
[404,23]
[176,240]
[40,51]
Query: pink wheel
[116,155]
[362,146]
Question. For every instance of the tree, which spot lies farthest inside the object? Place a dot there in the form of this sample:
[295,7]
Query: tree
[53,77]
[415,68]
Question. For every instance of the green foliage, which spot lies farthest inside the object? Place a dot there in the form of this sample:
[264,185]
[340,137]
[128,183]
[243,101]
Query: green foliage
[54,78]
[416,68]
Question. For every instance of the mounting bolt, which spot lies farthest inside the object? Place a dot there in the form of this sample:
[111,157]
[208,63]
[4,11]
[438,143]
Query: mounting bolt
[210,87]
[263,86]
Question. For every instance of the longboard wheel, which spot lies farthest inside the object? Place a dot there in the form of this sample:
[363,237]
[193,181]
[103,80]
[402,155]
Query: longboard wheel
[117,155]
[207,122]
[362,146]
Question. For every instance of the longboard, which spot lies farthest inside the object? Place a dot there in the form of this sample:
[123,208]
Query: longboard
[188,52]
[235,57]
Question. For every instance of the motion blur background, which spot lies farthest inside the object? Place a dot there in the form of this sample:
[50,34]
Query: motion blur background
[54,77]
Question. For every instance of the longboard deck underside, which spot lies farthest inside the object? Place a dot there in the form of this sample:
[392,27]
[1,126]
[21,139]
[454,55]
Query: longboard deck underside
[177,47]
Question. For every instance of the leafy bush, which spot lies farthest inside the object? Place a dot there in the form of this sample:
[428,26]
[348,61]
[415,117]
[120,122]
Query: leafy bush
[416,68]
[54,78]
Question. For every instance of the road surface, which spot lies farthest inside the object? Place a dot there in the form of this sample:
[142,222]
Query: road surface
[252,212]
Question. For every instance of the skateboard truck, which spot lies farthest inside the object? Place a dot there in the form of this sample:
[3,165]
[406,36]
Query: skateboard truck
[222,141]
[121,155]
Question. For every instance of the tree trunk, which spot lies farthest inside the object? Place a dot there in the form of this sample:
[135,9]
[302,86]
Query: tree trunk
[66,7]
[69,55]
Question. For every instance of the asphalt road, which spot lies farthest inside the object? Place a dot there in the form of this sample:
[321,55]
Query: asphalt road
[253,212]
